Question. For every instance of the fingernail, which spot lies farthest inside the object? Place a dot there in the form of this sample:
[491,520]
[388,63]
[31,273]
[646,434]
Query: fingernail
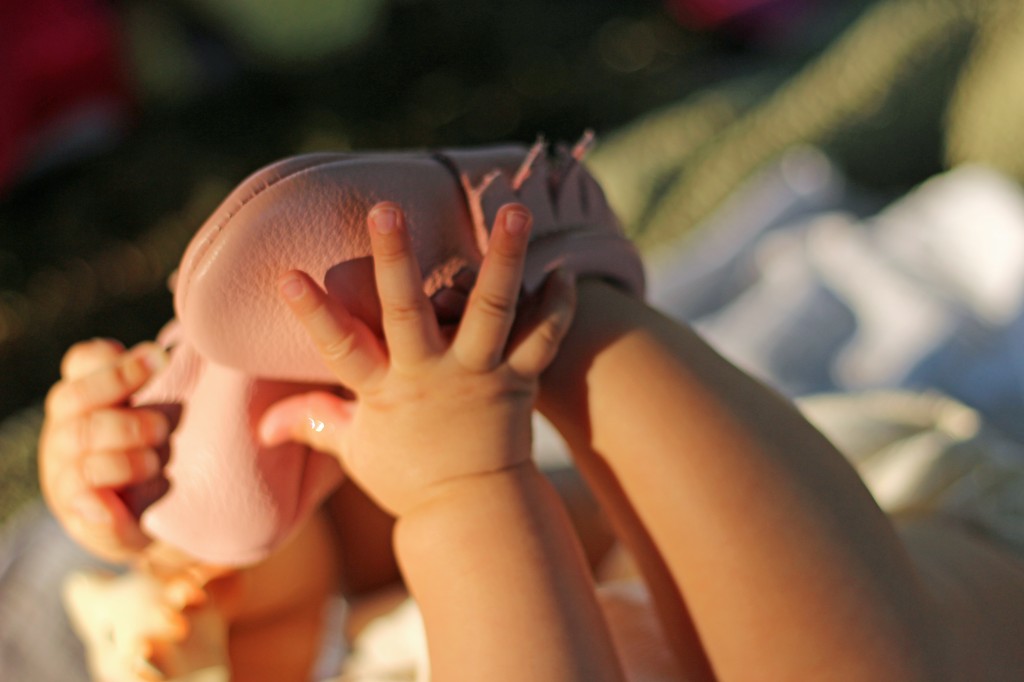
[516,221]
[91,509]
[160,429]
[183,594]
[292,287]
[149,463]
[384,219]
[154,358]
[271,430]
[103,339]
[102,471]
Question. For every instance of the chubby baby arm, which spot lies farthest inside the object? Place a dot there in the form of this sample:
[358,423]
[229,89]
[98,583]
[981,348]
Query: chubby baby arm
[440,437]
[93,444]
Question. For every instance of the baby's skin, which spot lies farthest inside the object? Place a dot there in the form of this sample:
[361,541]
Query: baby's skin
[440,437]
[93,446]
[763,552]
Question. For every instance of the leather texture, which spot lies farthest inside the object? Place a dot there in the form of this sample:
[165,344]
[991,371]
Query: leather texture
[230,500]
[310,213]
[237,349]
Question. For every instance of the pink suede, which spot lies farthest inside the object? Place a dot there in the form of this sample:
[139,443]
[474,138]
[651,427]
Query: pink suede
[238,348]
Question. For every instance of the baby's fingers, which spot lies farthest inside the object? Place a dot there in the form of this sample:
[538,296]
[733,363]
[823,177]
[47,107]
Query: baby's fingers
[120,468]
[480,341]
[86,357]
[407,317]
[106,385]
[344,342]
[104,430]
[98,520]
[316,419]
[545,326]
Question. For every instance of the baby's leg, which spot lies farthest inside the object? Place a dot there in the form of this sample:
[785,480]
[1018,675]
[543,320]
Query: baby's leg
[750,528]
[643,554]
[276,609]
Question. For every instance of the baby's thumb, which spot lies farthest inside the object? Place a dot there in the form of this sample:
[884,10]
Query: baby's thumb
[317,419]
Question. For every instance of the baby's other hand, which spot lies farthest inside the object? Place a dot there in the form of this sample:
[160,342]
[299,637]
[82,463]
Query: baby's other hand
[430,408]
[133,632]
[93,444]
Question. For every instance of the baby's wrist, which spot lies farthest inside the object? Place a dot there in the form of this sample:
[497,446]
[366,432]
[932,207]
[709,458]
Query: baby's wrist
[465,504]
[461,491]
[604,312]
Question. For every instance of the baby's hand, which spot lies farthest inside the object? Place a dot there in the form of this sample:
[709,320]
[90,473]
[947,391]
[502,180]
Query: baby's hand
[133,632]
[430,409]
[93,444]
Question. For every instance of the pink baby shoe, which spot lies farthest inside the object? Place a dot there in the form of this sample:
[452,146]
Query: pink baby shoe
[232,501]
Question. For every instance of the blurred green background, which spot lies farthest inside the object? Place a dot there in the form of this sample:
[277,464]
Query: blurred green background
[222,88]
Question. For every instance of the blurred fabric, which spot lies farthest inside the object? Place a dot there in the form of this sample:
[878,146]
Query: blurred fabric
[927,294]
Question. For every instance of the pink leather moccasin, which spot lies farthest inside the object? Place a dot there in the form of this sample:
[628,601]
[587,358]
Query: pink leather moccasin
[238,349]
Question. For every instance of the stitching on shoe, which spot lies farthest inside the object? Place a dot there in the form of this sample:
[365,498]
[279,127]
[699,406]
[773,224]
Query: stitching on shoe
[219,227]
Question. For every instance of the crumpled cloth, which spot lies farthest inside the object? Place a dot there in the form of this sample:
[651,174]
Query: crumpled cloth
[928,294]
[927,455]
